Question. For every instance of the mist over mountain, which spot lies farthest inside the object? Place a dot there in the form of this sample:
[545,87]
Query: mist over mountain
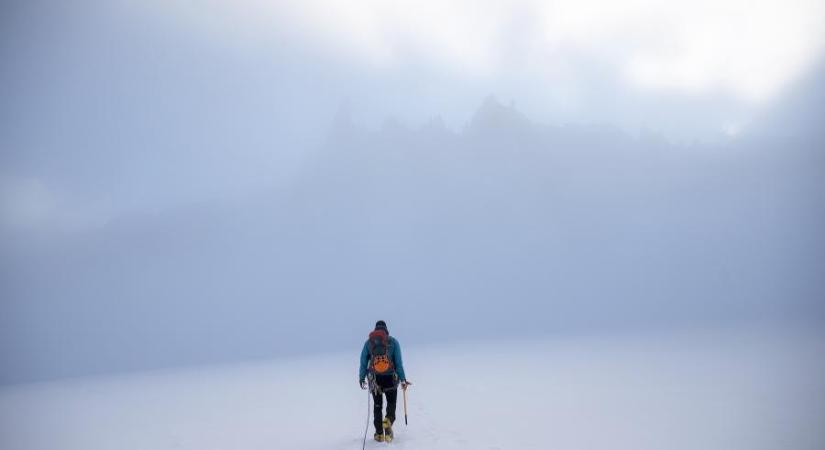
[504,227]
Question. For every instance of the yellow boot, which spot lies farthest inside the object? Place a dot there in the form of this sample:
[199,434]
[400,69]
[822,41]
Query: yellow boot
[379,437]
[387,430]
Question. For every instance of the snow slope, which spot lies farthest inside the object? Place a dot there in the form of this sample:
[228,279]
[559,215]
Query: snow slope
[706,391]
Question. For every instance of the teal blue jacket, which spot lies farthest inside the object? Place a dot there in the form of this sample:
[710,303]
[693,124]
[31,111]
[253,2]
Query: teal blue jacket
[394,351]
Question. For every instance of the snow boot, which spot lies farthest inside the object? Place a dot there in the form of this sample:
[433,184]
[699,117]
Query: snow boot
[379,437]
[387,429]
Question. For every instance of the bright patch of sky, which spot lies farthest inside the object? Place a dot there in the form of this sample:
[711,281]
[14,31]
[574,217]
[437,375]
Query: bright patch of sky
[749,49]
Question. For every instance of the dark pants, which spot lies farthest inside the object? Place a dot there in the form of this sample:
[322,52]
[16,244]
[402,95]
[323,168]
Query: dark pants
[386,386]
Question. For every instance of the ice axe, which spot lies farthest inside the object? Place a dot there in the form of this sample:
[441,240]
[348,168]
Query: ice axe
[404,389]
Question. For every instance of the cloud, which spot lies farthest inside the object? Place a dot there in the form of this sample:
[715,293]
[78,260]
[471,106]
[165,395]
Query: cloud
[27,204]
[750,49]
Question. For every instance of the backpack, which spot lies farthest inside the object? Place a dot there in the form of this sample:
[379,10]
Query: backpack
[379,347]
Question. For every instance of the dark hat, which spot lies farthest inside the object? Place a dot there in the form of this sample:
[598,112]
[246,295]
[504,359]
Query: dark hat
[381,325]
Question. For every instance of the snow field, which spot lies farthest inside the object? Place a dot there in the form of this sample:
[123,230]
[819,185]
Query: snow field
[694,391]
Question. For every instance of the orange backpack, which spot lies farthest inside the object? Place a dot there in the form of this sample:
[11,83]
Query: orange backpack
[380,359]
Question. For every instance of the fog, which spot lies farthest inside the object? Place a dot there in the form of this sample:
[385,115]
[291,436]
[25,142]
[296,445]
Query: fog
[195,184]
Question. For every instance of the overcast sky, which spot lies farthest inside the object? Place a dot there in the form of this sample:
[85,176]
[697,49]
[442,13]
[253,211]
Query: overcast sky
[198,181]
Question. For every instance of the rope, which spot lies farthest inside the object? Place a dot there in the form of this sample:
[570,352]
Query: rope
[364,445]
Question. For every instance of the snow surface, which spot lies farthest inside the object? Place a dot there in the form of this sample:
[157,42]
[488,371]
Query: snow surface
[691,391]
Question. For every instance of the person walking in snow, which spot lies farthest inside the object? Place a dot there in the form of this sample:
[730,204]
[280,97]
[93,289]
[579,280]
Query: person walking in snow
[382,371]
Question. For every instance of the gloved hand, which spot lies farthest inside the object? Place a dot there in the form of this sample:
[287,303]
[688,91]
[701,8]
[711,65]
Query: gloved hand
[404,384]
[363,383]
